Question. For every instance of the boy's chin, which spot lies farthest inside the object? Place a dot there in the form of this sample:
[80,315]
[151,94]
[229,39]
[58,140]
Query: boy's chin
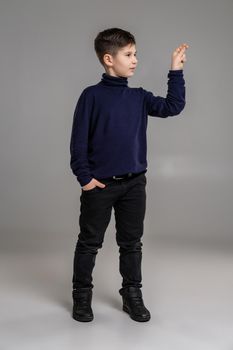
[131,73]
[128,74]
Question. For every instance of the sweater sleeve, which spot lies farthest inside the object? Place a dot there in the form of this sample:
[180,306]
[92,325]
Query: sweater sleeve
[174,102]
[79,139]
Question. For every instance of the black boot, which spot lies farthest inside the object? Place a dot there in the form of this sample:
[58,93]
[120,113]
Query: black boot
[82,298]
[133,304]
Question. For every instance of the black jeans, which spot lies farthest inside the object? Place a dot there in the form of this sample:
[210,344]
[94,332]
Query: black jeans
[128,197]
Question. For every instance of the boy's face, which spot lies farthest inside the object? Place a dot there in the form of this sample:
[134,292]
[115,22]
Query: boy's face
[124,63]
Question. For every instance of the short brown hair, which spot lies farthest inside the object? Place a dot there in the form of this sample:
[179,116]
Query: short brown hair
[110,41]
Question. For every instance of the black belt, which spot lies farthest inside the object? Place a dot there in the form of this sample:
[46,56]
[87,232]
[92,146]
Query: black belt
[123,176]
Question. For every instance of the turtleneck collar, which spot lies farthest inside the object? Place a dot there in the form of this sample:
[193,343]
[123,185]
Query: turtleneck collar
[111,80]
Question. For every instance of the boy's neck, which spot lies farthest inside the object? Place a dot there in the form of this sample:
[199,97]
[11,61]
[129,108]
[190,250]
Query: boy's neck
[112,80]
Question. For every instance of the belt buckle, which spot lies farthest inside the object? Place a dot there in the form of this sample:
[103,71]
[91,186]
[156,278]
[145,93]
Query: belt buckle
[119,178]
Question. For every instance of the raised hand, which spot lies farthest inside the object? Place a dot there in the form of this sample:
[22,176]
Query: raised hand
[179,57]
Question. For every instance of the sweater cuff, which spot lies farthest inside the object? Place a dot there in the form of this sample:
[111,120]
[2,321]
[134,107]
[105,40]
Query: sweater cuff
[175,72]
[84,180]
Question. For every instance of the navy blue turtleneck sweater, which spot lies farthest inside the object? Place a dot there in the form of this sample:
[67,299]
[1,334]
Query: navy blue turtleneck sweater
[109,125]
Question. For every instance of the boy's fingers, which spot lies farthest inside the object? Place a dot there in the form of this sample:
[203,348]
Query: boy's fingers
[181,51]
[100,184]
[182,47]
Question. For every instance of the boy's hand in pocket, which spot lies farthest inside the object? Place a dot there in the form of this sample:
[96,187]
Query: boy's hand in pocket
[92,184]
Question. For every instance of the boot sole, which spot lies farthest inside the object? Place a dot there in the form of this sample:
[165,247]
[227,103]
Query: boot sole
[135,318]
[82,319]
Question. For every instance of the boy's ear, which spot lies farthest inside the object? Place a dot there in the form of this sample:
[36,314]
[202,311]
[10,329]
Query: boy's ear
[107,58]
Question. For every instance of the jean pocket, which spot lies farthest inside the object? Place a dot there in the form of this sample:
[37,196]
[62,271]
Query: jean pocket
[94,189]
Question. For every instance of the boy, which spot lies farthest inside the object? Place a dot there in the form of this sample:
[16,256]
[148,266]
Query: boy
[108,157]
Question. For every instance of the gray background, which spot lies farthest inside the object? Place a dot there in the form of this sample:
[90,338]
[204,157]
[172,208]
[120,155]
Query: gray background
[47,59]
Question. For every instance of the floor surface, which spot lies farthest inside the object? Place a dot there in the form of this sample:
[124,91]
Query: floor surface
[187,290]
